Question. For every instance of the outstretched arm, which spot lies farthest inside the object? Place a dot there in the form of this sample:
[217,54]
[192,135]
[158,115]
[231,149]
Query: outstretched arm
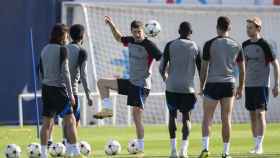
[116,33]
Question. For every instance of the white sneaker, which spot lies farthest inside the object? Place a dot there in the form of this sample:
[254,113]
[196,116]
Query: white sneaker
[183,154]
[173,154]
[259,151]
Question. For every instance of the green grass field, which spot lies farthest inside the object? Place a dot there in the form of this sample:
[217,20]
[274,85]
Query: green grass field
[156,140]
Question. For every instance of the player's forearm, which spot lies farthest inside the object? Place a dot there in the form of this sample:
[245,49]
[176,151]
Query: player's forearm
[241,74]
[84,80]
[203,73]
[67,78]
[116,33]
[275,64]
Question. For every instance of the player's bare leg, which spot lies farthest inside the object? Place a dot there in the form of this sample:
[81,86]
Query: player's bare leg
[104,86]
[226,111]
[172,132]
[45,134]
[253,117]
[71,133]
[209,107]
[137,113]
[261,126]
[186,121]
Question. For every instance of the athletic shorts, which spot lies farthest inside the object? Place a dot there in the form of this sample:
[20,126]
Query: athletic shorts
[180,101]
[256,98]
[76,110]
[55,101]
[136,96]
[218,91]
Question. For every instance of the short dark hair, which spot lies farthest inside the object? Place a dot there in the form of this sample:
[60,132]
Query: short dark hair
[136,24]
[223,23]
[77,32]
[185,28]
[58,31]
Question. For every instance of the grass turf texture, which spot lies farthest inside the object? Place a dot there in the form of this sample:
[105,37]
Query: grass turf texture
[156,140]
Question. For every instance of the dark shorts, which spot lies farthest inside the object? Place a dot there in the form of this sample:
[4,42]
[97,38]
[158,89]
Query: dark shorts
[136,96]
[218,91]
[256,98]
[76,110]
[55,101]
[180,101]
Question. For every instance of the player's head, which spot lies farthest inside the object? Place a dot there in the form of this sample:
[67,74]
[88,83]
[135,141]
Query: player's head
[137,30]
[254,26]
[223,24]
[77,32]
[59,34]
[185,29]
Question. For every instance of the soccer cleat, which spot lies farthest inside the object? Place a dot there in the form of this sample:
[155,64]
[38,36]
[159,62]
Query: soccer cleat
[173,154]
[226,156]
[204,154]
[104,113]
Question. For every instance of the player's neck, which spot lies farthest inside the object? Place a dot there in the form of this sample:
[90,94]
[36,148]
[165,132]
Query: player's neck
[223,34]
[255,38]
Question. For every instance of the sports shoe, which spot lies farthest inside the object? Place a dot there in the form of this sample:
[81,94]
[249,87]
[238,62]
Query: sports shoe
[173,154]
[204,154]
[226,155]
[104,113]
[183,154]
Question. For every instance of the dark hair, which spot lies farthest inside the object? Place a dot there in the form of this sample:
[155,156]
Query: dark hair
[136,24]
[223,23]
[185,28]
[77,32]
[58,31]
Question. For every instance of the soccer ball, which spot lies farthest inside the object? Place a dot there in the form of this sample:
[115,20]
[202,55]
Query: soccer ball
[12,151]
[57,150]
[132,147]
[85,148]
[34,150]
[152,28]
[112,147]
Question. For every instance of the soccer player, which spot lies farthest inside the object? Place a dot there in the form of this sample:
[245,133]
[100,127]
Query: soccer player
[259,55]
[220,56]
[181,56]
[57,92]
[77,66]
[142,53]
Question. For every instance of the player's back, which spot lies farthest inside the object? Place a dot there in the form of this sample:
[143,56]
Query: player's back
[50,62]
[223,53]
[183,54]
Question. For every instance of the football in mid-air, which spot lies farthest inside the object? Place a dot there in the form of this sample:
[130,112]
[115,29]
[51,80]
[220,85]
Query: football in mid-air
[34,150]
[57,150]
[12,151]
[152,28]
[85,148]
[132,147]
[112,147]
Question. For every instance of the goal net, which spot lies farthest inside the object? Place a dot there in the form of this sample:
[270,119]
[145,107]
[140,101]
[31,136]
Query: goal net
[107,58]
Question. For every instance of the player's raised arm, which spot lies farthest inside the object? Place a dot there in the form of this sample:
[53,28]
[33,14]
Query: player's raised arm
[116,33]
